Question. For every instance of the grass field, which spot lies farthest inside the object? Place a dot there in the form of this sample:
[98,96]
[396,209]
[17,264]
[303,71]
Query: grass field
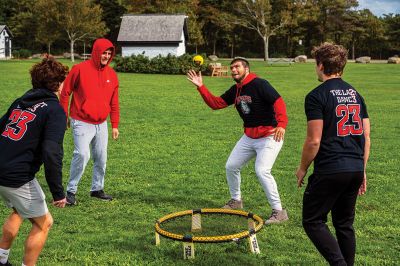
[171,156]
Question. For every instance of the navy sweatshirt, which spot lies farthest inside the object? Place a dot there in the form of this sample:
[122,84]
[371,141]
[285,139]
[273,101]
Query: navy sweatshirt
[32,133]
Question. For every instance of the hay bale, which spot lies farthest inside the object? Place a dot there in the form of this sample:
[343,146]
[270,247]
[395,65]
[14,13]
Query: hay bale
[394,60]
[213,57]
[363,60]
[300,59]
[68,55]
[37,56]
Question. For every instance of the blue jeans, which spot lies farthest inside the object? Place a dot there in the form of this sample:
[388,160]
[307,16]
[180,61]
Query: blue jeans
[88,136]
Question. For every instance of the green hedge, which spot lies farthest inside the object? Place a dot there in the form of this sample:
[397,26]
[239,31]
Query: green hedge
[22,53]
[169,64]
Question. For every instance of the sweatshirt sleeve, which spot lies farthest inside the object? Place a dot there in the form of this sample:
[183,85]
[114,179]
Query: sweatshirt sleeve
[69,84]
[114,114]
[280,113]
[52,152]
[52,160]
[212,101]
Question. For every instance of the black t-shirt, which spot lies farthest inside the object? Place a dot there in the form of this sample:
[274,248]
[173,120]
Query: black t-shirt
[342,110]
[254,103]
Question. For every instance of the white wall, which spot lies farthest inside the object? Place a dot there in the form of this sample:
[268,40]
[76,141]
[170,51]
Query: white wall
[3,34]
[153,51]
[150,51]
[182,47]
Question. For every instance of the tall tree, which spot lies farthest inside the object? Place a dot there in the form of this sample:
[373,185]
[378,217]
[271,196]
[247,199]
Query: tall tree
[292,30]
[157,6]
[6,8]
[366,32]
[309,25]
[264,18]
[392,22]
[195,26]
[23,23]
[80,20]
[49,29]
[111,15]
[336,17]
[218,19]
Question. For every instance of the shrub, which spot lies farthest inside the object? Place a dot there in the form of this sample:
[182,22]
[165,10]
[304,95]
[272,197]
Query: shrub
[169,64]
[21,53]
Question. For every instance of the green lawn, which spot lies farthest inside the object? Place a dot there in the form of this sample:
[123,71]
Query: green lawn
[171,157]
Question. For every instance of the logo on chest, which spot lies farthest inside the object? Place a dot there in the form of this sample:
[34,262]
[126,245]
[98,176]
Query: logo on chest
[244,102]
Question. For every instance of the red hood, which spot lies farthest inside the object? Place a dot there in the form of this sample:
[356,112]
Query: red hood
[99,46]
[246,80]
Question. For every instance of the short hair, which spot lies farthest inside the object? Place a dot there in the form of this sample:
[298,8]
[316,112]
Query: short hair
[241,59]
[48,74]
[332,56]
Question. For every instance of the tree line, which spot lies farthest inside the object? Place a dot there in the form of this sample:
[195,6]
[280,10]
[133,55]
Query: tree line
[251,28]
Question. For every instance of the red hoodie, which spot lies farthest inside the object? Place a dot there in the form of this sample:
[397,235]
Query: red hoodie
[94,89]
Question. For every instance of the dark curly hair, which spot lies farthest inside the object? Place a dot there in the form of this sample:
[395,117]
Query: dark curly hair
[333,57]
[48,74]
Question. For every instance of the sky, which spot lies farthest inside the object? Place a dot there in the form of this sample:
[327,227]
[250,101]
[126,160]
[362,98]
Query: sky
[380,7]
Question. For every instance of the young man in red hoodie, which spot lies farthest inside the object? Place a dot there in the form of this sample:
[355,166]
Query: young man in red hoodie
[264,115]
[94,88]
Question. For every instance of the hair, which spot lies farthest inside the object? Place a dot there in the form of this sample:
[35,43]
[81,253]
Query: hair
[244,61]
[48,74]
[333,57]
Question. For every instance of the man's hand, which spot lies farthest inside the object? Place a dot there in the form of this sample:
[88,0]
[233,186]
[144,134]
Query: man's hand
[279,133]
[60,203]
[363,187]
[195,78]
[115,133]
[300,173]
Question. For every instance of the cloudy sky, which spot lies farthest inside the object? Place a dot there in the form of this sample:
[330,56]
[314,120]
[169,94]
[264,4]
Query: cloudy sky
[380,7]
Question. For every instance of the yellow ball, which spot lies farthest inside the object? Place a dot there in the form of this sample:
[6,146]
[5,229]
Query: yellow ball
[198,60]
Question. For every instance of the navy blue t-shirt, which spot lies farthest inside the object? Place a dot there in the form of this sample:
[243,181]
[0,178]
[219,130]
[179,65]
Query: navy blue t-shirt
[342,110]
[254,102]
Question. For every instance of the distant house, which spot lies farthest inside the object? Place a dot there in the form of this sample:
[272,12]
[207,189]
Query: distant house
[5,42]
[153,35]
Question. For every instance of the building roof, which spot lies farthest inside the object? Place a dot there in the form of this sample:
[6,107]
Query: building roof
[162,28]
[2,27]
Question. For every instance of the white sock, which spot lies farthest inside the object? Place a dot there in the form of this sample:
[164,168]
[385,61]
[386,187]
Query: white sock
[23,264]
[4,255]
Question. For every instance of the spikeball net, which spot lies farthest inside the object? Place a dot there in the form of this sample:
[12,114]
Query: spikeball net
[176,226]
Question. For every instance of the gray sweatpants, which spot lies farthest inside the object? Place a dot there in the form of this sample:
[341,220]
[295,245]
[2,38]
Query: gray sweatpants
[88,137]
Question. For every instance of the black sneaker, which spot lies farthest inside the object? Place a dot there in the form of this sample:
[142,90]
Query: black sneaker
[6,264]
[71,200]
[100,194]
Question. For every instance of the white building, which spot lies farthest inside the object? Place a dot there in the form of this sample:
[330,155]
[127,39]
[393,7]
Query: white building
[153,35]
[5,42]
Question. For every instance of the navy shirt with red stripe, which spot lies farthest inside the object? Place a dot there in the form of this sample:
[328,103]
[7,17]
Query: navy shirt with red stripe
[342,110]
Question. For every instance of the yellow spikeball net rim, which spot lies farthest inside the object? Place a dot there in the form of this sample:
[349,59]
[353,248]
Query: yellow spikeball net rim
[209,239]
